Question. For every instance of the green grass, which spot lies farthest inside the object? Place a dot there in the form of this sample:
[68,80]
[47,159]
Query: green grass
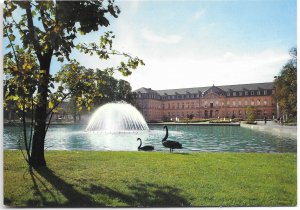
[151,179]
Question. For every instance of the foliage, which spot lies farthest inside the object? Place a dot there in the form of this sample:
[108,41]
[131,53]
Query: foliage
[46,30]
[190,116]
[286,86]
[194,120]
[155,179]
[250,115]
[219,121]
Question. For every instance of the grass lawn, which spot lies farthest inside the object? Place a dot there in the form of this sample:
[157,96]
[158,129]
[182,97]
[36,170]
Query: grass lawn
[151,179]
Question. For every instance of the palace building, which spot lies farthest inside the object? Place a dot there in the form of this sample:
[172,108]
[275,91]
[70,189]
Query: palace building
[229,101]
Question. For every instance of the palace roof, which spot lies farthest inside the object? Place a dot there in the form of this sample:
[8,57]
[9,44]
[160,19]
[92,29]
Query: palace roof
[225,88]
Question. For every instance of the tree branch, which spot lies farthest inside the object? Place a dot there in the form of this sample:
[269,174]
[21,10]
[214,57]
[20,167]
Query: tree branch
[43,22]
[56,105]
[35,42]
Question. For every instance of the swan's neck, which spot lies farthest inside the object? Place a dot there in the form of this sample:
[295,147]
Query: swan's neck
[165,138]
[140,143]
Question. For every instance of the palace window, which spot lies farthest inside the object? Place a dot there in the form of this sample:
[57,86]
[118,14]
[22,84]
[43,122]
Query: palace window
[246,102]
[252,93]
[240,103]
[234,93]
[228,93]
[240,93]
[258,102]
[228,103]
[246,93]
[258,92]
[265,92]
[252,102]
[182,105]
[265,102]
[233,103]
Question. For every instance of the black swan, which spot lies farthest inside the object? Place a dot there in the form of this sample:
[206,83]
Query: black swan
[170,144]
[144,148]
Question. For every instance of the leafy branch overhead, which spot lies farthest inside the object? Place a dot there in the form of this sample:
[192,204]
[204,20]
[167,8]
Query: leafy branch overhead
[104,51]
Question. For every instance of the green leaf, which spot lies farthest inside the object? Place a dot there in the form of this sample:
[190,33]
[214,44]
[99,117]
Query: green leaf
[12,37]
[60,59]
[50,104]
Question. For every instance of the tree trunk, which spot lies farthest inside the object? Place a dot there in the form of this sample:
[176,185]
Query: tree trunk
[38,141]
[74,118]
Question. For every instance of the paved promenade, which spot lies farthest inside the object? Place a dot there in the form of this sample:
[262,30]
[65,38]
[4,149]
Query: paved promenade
[274,129]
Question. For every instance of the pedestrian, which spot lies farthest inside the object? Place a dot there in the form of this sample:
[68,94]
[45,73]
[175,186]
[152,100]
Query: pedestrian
[265,120]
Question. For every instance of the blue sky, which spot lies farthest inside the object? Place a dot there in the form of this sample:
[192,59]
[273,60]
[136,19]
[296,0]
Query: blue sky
[200,43]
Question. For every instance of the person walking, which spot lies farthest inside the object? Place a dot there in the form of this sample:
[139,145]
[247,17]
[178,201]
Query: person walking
[265,120]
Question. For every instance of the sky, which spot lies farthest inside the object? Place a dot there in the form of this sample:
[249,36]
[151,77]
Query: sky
[199,43]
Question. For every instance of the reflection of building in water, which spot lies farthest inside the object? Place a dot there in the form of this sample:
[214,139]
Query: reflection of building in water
[230,101]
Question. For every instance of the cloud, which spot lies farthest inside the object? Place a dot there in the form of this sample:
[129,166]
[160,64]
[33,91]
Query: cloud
[199,14]
[167,39]
[198,71]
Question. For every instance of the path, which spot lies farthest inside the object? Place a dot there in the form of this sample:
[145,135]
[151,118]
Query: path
[274,128]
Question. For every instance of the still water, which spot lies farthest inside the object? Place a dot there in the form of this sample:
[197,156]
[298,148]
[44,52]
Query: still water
[192,138]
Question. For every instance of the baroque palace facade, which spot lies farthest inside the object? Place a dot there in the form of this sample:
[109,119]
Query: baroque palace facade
[229,101]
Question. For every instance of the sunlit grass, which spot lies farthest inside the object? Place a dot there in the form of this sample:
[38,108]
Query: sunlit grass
[151,179]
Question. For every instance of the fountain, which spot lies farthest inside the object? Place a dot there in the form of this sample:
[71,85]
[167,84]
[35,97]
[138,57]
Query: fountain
[118,117]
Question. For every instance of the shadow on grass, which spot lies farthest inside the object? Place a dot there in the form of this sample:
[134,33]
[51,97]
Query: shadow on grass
[144,195]
[139,194]
[74,197]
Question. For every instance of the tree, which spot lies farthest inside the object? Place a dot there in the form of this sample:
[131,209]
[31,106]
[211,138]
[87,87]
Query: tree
[250,116]
[124,92]
[286,87]
[47,30]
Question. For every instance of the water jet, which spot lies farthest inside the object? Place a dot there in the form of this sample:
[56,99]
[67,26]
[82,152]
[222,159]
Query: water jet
[117,117]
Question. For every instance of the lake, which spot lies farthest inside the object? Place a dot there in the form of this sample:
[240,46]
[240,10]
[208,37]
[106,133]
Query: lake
[193,139]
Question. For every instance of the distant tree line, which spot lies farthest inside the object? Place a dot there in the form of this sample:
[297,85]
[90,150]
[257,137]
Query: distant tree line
[108,90]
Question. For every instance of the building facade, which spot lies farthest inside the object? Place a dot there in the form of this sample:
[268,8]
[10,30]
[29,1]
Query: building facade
[230,101]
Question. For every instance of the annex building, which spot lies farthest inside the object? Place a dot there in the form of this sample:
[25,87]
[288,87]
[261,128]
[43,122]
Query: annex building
[229,101]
